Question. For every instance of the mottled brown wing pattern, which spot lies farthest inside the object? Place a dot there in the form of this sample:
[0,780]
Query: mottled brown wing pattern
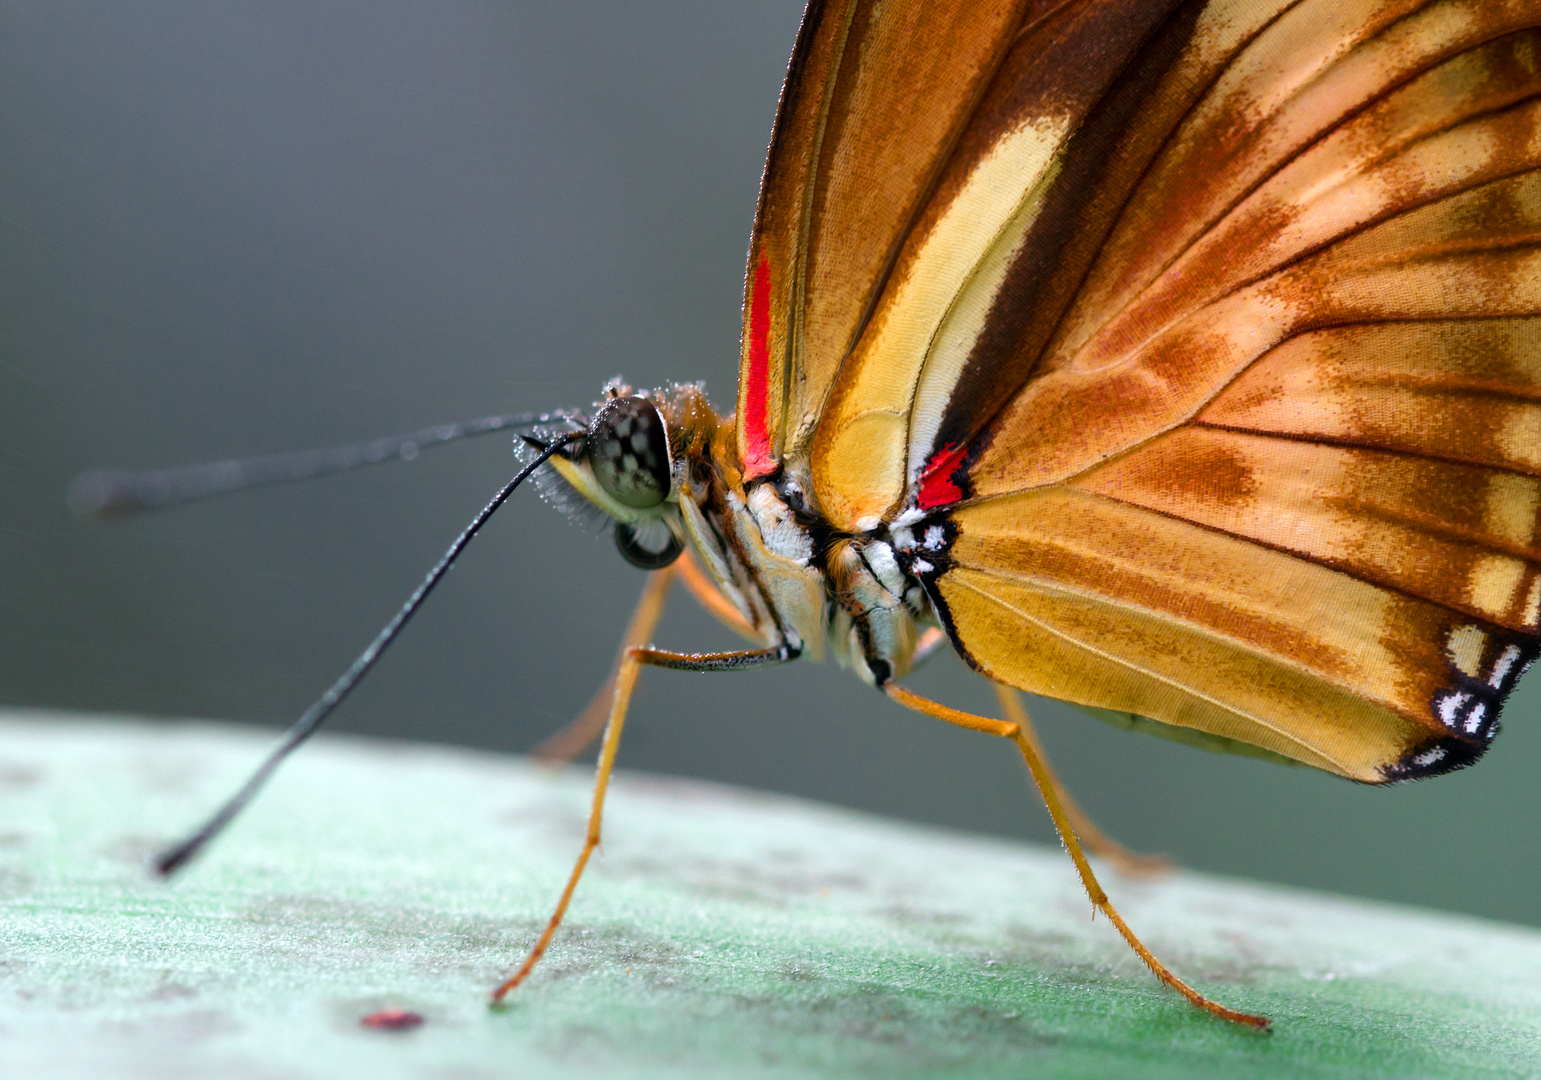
[1207,334]
[1274,476]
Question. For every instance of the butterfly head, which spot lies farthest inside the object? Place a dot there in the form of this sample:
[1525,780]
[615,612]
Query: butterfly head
[628,452]
[626,467]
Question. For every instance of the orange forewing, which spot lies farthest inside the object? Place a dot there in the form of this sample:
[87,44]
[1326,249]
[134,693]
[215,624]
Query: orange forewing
[1211,331]
[1070,77]
[1311,339]
[874,98]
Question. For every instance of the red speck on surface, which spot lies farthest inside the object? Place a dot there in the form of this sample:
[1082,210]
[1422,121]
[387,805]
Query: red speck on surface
[758,460]
[392,1020]
[937,487]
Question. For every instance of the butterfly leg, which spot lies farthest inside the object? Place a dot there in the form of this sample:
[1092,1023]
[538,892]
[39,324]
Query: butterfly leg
[1097,842]
[571,741]
[1049,792]
[928,645]
[710,597]
[635,658]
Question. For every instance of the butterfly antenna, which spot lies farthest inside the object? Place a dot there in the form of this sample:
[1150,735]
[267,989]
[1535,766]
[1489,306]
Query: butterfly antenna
[173,858]
[117,493]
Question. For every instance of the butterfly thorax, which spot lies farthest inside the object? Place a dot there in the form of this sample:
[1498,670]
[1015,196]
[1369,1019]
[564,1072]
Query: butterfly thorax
[796,579]
[794,576]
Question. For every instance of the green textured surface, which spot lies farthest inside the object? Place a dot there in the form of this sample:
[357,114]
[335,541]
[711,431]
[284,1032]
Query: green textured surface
[722,933]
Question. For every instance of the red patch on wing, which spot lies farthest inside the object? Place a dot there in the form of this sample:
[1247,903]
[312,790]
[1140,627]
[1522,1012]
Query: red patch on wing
[937,486]
[758,459]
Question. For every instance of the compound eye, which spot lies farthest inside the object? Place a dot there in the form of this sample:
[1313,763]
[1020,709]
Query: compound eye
[628,449]
[648,544]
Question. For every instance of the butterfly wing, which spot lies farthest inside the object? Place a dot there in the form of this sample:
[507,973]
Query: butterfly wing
[875,95]
[1212,349]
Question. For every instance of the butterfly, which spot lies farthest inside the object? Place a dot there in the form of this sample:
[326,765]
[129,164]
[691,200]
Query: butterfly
[1178,360]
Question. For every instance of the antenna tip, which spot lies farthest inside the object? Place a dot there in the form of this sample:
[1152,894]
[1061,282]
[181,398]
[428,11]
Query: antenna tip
[171,860]
[110,493]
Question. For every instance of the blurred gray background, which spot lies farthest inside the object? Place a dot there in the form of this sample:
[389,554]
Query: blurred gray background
[231,229]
